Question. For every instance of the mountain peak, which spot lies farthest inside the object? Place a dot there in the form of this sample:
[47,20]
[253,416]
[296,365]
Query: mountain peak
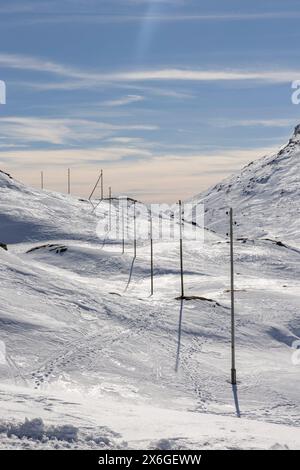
[264,195]
[297,130]
[296,135]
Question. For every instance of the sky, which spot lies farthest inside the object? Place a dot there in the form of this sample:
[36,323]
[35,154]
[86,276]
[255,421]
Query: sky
[167,96]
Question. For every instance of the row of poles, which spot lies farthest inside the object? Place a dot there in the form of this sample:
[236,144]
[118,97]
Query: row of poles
[100,181]
[232,298]
[182,296]
[68,180]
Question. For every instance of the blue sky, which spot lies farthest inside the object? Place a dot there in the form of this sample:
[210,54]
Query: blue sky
[168,96]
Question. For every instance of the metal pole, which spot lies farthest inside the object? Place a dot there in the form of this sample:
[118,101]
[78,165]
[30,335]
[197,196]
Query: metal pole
[42,180]
[233,369]
[151,250]
[69,181]
[101,185]
[181,249]
[123,230]
[134,230]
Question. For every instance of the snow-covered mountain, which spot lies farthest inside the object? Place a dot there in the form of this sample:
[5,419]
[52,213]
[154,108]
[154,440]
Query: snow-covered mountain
[93,361]
[264,195]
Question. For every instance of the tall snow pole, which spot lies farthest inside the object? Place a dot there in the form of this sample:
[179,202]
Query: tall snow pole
[101,175]
[123,229]
[151,250]
[134,230]
[181,249]
[69,181]
[42,180]
[233,369]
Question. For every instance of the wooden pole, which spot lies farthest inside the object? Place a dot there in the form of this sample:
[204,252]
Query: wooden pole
[233,369]
[42,180]
[181,249]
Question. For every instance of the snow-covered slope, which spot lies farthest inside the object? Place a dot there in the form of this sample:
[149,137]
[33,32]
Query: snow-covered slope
[93,361]
[264,195]
[27,214]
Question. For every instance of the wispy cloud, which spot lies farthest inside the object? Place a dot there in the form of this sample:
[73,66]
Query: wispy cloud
[23,62]
[127,140]
[125,100]
[18,7]
[225,123]
[69,156]
[61,131]
[77,78]
[96,18]
[176,74]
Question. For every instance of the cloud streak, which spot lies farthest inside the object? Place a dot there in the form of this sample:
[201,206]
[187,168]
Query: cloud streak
[76,157]
[253,122]
[77,78]
[60,131]
[97,18]
[125,100]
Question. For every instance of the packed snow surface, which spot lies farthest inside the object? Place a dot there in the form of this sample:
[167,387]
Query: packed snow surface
[88,359]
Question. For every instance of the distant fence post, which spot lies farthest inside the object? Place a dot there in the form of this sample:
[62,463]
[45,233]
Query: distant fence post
[181,249]
[151,250]
[42,180]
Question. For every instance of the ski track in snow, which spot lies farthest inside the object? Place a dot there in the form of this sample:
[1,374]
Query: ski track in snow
[86,345]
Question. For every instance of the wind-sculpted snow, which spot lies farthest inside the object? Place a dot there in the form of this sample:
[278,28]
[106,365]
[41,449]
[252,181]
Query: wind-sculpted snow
[92,360]
[36,434]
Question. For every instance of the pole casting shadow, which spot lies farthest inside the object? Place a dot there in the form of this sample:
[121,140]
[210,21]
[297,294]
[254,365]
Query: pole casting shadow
[130,274]
[236,400]
[179,336]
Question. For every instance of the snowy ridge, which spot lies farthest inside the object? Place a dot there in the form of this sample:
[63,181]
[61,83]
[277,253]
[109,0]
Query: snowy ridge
[27,214]
[265,196]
